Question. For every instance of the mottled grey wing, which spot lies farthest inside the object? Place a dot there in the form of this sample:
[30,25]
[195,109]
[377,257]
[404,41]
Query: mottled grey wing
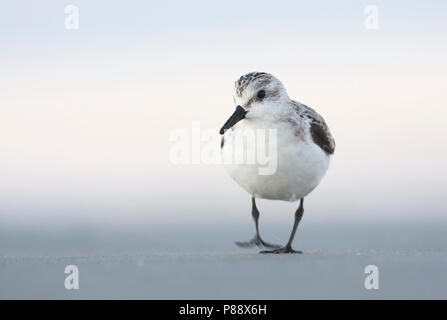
[319,130]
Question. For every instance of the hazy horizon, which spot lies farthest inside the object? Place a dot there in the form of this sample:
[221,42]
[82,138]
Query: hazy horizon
[86,114]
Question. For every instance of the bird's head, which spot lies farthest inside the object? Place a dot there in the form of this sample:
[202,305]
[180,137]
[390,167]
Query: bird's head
[256,95]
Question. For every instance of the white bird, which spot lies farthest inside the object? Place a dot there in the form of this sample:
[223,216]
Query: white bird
[304,147]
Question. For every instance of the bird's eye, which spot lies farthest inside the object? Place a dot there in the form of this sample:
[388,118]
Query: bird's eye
[261,94]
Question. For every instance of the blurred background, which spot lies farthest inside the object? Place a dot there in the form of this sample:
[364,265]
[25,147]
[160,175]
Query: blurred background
[86,115]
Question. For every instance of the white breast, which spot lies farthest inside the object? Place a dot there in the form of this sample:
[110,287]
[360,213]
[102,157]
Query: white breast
[300,164]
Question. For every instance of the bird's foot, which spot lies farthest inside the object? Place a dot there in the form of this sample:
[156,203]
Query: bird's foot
[286,249]
[258,242]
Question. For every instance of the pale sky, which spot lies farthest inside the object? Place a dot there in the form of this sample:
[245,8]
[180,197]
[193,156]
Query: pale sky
[86,115]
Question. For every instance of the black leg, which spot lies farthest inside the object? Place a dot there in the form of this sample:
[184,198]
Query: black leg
[257,240]
[288,247]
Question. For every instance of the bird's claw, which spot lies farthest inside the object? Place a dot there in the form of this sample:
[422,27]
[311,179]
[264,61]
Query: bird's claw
[258,242]
[285,249]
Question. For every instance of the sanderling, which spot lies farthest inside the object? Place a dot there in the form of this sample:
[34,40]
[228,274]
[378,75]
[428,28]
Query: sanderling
[304,147]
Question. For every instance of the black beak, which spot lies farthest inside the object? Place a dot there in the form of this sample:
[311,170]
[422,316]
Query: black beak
[237,116]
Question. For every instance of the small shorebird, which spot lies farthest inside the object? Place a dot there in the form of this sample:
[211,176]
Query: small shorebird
[304,147]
